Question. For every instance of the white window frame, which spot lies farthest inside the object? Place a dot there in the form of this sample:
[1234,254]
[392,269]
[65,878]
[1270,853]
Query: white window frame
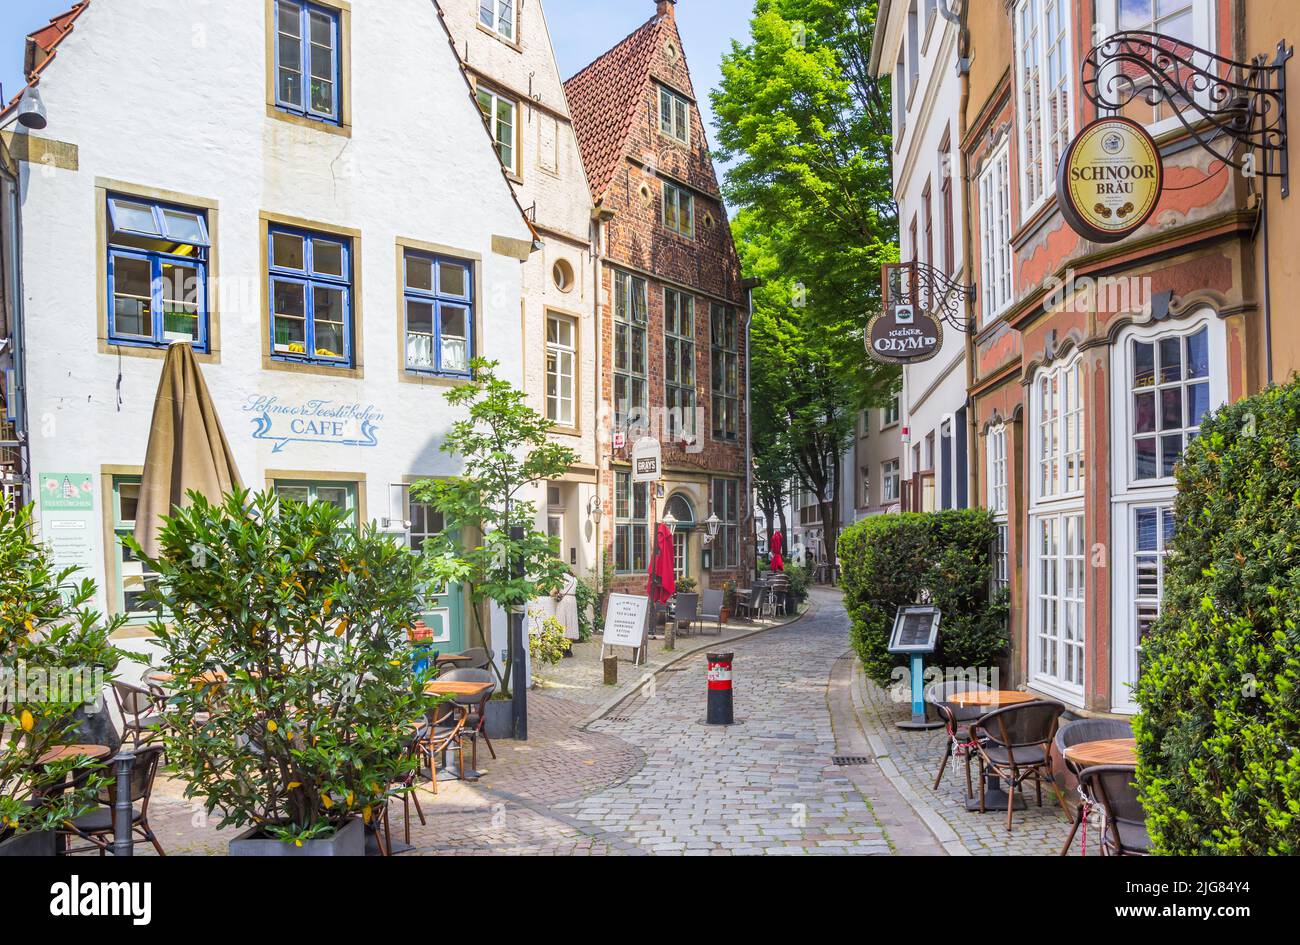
[1057,421]
[1040,149]
[996,288]
[889,416]
[558,354]
[995,448]
[1203,35]
[679,125]
[1129,494]
[496,100]
[890,481]
[489,17]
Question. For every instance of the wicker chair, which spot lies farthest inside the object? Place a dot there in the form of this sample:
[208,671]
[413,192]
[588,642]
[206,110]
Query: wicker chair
[141,711]
[957,720]
[96,827]
[1125,833]
[1015,743]
[479,658]
[687,610]
[711,607]
[1076,733]
[440,733]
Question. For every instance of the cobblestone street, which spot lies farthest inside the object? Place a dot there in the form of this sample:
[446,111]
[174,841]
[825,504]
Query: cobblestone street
[648,777]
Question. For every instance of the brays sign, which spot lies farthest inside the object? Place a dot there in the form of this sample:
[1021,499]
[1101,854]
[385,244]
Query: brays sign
[1110,179]
[902,334]
[647,460]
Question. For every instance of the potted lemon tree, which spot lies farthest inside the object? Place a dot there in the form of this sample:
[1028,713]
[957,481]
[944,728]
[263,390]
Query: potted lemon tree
[294,692]
[55,660]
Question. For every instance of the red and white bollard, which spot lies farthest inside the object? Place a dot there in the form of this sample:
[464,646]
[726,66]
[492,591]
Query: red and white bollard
[720,702]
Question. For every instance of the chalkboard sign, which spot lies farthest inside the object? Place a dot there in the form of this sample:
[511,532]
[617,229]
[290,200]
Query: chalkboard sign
[916,630]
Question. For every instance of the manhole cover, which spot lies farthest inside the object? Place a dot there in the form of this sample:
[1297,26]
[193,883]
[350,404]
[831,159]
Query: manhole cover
[842,761]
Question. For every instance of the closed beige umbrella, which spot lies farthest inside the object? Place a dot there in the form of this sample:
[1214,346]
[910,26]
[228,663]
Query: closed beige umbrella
[187,447]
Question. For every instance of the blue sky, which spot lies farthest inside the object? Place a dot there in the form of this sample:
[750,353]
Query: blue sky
[580,30]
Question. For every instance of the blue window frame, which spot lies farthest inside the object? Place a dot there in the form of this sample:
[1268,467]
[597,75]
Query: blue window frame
[307,65]
[310,296]
[157,273]
[438,293]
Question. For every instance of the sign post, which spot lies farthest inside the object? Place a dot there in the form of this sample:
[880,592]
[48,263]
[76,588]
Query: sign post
[625,624]
[916,633]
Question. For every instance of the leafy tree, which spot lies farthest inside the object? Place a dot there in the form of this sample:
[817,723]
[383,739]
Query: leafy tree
[506,450]
[807,128]
[286,637]
[55,656]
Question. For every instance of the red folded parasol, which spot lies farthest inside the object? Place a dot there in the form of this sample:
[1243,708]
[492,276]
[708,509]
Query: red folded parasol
[776,562]
[662,584]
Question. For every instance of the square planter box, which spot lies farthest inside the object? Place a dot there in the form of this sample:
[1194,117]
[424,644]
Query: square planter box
[350,840]
[498,719]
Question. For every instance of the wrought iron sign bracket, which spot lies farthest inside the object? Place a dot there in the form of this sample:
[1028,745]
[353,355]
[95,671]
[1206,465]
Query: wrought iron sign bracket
[932,291]
[1235,111]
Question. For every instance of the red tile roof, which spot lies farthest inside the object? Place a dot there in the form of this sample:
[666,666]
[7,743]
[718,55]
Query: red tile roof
[603,102]
[41,47]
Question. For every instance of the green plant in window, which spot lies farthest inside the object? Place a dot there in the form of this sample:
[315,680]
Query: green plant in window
[55,658]
[294,687]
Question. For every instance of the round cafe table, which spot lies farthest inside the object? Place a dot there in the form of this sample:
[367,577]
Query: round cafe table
[1107,751]
[995,799]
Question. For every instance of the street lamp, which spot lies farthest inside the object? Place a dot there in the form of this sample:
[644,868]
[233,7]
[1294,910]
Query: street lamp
[670,520]
[713,523]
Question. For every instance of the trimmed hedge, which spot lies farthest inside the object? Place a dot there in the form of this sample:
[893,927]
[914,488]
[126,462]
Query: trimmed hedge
[1219,727]
[887,561]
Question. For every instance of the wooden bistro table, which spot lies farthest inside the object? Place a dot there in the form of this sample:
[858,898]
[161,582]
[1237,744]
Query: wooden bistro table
[452,659]
[1107,751]
[162,679]
[995,799]
[64,752]
[457,689]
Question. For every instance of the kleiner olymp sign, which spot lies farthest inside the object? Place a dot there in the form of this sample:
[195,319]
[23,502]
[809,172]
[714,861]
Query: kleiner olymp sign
[903,334]
[1110,179]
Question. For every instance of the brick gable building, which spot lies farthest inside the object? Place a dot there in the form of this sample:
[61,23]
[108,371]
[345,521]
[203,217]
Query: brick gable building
[673,311]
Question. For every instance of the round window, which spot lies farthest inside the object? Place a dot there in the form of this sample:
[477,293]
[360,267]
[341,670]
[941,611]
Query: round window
[562,273]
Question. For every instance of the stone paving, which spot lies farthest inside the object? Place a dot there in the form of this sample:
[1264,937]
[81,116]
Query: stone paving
[650,778]
[915,756]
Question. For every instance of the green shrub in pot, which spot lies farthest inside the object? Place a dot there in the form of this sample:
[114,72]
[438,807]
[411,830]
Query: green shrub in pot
[55,656]
[305,620]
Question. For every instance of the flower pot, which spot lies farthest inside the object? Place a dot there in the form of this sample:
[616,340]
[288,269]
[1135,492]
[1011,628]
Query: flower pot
[32,843]
[348,840]
[499,719]
[726,615]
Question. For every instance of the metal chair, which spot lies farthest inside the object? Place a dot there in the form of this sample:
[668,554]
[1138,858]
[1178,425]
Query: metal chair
[1076,733]
[745,602]
[711,607]
[439,733]
[957,720]
[479,658]
[778,590]
[477,706]
[1015,742]
[688,609]
[96,827]
[141,711]
[1125,831]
